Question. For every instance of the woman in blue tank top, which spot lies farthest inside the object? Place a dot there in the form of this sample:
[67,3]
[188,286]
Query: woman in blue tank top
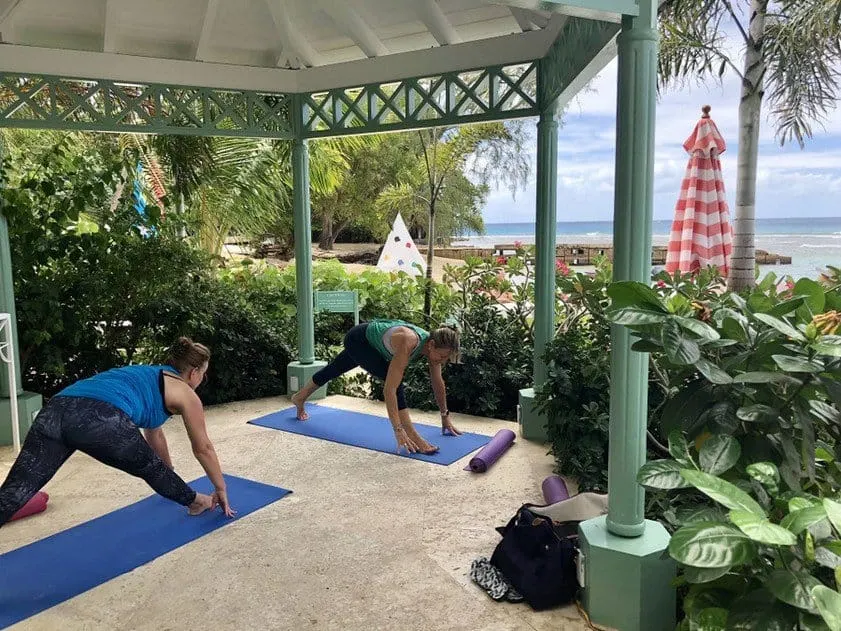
[102,416]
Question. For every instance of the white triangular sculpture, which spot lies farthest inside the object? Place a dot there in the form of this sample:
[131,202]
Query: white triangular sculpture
[400,253]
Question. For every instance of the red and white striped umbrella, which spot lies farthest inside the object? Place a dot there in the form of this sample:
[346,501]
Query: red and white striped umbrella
[701,233]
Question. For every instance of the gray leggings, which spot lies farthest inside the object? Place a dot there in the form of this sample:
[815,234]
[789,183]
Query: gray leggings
[96,428]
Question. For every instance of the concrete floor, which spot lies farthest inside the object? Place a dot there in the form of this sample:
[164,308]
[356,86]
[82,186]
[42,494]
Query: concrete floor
[366,541]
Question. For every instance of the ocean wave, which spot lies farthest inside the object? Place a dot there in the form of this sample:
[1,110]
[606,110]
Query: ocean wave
[819,246]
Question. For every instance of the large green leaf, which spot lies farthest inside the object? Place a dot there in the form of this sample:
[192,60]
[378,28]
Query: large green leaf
[761,530]
[797,364]
[679,349]
[766,377]
[828,603]
[803,518]
[735,330]
[701,329]
[813,294]
[758,413]
[781,326]
[712,372]
[786,307]
[833,511]
[630,316]
[793,588]
[695,514]
[711,545]
[632,294]
[679,448]
[828,345]
[825,411]
[662,474]
[723,417]
[697,575]
[719,453]
[766,473]
[723,492]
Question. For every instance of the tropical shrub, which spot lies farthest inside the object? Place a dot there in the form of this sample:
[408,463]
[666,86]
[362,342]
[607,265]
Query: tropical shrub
[752,411]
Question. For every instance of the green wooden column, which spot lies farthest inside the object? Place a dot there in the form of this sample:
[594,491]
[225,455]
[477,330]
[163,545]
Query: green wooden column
[7,305]
[299,372]
[29,403]
[627,580]
[532,424]
[545,234]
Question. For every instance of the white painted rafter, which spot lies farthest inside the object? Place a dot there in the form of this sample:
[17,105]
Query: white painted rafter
[521,15]
[295,50]
[437,23]
[109,32]
[349,21]
[7,20]
[201,48]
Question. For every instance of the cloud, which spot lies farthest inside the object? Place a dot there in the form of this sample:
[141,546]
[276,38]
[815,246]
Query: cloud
[791,181]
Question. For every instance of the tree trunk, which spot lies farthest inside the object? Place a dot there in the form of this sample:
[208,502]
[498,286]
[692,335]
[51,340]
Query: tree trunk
[743,260]
[327,239]
[430,257]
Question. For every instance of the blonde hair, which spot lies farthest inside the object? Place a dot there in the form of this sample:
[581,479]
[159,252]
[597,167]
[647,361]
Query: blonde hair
[447,336]
[186,354]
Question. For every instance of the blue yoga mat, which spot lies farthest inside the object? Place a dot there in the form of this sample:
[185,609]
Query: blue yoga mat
[47,572]
[369,432]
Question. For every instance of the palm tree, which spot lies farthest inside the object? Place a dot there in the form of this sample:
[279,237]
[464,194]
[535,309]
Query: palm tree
[444,158]
[790,54]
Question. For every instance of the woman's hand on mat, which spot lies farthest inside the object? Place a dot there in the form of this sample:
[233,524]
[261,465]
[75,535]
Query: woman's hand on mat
[447,426]
[220,498]
[403,440]
[201,504]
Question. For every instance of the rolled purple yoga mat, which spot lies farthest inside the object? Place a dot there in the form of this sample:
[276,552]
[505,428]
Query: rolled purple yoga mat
[554,489]
[491,452]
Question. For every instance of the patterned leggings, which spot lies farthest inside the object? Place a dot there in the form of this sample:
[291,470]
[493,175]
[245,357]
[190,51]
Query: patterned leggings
[97,429]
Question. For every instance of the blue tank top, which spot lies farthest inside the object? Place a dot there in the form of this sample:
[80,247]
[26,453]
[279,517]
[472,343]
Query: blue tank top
[137,390]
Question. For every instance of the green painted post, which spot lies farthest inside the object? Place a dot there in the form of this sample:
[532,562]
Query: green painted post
[632,220]
[303,250]
[299,372]
[532,423]
[7,305]
[545,230]
[628,579]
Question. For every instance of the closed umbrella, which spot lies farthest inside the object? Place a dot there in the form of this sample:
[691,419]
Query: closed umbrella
[701,233]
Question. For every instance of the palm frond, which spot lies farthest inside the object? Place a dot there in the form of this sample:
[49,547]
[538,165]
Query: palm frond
[803,53]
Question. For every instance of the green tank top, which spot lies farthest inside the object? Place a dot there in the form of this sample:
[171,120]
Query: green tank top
[377,328]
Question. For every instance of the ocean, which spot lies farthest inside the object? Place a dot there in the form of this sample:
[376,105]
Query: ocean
[812,243]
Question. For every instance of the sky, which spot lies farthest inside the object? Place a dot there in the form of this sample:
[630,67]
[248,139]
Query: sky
[791,182]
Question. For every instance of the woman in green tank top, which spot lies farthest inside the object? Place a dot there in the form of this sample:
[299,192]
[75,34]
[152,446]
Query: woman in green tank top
[385,348]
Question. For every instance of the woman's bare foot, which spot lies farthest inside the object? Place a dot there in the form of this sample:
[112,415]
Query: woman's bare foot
[299,401]
[201,504]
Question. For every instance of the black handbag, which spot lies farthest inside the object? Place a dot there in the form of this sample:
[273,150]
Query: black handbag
[538,557]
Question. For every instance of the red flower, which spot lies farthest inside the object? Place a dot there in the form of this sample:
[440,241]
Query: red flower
[501,260]
[518,244]
[562,267]
[661,284]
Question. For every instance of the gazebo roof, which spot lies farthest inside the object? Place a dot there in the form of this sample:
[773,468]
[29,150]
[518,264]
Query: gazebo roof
[313,48]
